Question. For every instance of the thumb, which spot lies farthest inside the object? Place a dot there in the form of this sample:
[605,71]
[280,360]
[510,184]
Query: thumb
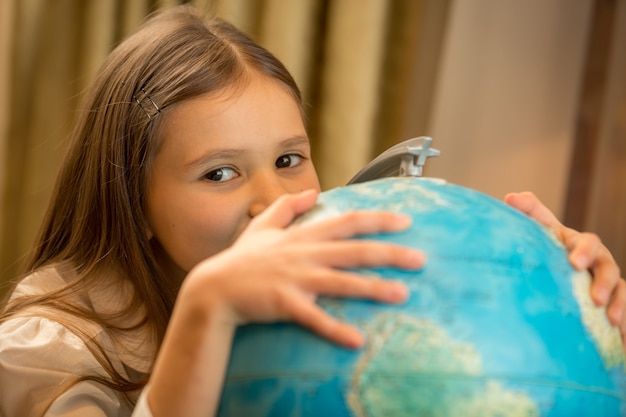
[529,204]
[282,212]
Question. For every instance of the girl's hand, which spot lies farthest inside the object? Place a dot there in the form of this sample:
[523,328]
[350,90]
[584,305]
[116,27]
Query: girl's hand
[586,251]
[275,272]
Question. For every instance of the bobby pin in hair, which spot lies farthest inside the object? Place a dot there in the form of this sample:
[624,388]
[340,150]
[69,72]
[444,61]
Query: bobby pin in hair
[147,104]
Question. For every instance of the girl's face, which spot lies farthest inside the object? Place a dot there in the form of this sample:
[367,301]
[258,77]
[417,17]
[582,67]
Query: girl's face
[223,160]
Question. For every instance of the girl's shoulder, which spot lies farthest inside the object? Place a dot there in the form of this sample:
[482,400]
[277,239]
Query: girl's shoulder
[37,356]
[96,312]
[49,342]
[38,327]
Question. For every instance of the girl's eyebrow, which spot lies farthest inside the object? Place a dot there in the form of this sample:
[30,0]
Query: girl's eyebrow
[295,140]
[231,153]
[214,154]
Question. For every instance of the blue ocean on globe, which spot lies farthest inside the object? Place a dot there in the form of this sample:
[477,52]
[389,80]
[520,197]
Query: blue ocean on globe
[497,324]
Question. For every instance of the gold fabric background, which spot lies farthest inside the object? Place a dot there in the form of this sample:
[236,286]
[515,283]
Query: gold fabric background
[368,70]
[338,52]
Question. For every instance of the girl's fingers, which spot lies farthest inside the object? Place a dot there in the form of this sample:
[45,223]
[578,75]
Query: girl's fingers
[284,210]
[343,284]
[605,278]
[365,253]
[354,223]
[583,247]
[587,252]
[615,310]
[528,203]
[311,254]
[313,317]
[586,249]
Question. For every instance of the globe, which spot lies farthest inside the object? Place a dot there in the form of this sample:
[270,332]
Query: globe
[497,324]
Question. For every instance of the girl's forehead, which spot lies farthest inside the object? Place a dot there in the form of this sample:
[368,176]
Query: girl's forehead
[247,87]
[262,110]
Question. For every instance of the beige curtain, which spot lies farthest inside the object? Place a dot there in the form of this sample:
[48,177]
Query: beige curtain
[6,32]
[359,64]
[596,190]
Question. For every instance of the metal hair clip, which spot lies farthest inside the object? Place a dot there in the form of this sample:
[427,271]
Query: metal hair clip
[150,107]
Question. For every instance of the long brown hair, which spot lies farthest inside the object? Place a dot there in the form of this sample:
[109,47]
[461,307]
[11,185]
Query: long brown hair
[96,219]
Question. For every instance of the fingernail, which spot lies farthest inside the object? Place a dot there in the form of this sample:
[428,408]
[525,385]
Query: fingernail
[417,258]
[398,291]
[580,261]
[404,219]
[600,296]
[616,317]
[355,341]
[414,259]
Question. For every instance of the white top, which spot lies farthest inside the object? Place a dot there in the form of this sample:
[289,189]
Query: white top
[37,355]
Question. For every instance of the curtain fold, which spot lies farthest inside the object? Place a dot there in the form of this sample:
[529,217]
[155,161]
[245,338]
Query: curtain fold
[349,92]
[98,34]
[41,105]
[7,17]
[288,30]
[606,214]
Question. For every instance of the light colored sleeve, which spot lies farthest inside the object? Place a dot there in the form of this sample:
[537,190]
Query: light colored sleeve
[142,409]
[37,356]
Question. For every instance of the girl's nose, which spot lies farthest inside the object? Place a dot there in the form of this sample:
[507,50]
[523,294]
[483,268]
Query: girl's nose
[265,190]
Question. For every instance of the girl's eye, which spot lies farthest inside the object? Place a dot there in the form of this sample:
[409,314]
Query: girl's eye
[290,160]
[220,174]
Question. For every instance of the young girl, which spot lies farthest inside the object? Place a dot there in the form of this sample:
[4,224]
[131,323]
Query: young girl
[168,229]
